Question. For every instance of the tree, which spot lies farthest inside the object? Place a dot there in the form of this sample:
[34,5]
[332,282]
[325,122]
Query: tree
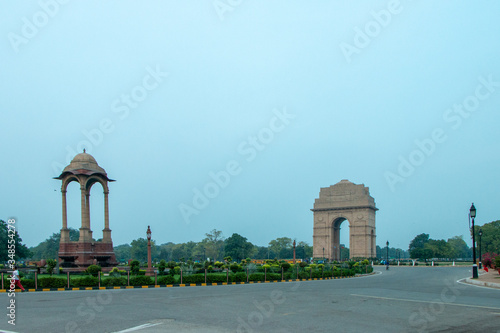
[416,247]
[20,252]
[458,248]
[123,252]
[214,244]
[490,241]
[49,248]
[139,249]
[237,247]
[281,247]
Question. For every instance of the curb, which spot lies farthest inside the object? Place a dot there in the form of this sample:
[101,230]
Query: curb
[173,285]
[482,283]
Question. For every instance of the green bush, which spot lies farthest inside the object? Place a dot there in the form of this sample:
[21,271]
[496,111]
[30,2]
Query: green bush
[240,277]
[93,270]
[194,278]
[217,278]
[167,279]
[235,267]
[28,283]
[51,264]
[256,277]
[497,261]
[114,281]
[52,282]
[141,280]
[286,266]
[85,281]
[134,266]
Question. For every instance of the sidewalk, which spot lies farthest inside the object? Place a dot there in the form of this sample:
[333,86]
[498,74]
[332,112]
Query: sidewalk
[491,279]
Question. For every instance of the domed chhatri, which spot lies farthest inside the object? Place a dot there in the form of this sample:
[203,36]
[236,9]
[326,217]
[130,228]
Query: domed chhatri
[84,164]
[78,255]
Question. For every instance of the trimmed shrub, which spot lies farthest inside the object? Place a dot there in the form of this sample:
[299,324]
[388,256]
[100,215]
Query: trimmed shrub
[167,279]
[93,270]
[240,277]
[85,281]
[141,280]
[217,277]
[52,282]
[256,277]
[194,278]
[114,281]
[28,283]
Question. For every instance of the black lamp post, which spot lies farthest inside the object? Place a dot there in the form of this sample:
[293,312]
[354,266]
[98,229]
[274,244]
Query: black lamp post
[387,257]
[472,214]
[480,258]
[323,254]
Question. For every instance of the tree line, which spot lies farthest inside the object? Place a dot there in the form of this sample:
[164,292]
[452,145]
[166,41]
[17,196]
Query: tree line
[424,247]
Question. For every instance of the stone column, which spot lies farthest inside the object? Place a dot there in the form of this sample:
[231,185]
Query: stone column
[64,230]
[85,227]
[106,232]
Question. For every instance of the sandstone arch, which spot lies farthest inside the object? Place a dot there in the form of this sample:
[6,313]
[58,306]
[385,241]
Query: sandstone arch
[344,201]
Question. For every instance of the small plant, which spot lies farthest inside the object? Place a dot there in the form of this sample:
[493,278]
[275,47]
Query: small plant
[162,266]
[51,264]
[134,266]
[497,262]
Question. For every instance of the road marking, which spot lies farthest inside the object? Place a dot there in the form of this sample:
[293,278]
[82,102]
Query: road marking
[137,328]
[434,302]
[7,332]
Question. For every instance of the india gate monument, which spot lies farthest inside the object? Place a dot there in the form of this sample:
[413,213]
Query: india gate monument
[78,255]
[349,203]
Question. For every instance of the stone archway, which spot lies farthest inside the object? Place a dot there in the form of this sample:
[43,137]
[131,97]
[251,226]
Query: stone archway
[80,254]
[344,201]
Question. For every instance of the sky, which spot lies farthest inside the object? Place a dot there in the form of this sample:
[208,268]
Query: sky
[231,115]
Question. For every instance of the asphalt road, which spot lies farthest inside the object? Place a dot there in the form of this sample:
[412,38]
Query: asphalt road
[403,299]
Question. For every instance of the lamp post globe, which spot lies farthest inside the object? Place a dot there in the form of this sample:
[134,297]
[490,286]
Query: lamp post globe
[472,215]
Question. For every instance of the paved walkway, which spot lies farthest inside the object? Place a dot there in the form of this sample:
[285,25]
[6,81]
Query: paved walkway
[490,279]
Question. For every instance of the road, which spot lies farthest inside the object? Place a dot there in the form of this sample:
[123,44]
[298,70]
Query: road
[403,299]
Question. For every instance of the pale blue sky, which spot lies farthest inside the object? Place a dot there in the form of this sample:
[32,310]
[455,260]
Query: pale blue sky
[66,69]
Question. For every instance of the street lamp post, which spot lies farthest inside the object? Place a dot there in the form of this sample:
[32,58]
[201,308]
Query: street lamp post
[149,270]
[480,257]
[323,254]
[387,256]
[472,215]
[294,251]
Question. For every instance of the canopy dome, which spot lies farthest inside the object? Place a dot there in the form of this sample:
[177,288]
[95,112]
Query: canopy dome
[84,164]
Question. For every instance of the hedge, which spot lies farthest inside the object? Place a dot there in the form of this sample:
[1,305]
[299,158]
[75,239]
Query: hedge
[141,280]
[114,281]
[166,279]
[52,282]
[85,281]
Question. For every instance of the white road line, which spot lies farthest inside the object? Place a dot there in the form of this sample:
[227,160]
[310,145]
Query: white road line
[7,331]
[432,302]
[137,328]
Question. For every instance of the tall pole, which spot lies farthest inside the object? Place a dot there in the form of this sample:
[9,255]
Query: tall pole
[387,256]
[472,214]
[480,257]
[149,271]
[294,251]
